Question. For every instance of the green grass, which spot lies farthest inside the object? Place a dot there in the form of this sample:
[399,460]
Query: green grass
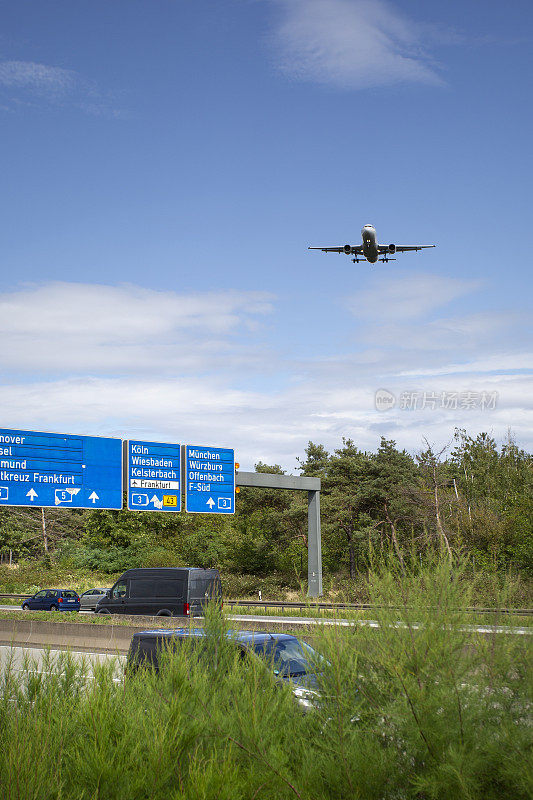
[82,619]
[30,576]
[411,713]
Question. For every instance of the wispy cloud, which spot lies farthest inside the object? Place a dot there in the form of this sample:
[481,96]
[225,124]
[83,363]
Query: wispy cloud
[409,295]
[506,361]
[411,324]
[352,44]
[39,78]
[86,328]
[24,81]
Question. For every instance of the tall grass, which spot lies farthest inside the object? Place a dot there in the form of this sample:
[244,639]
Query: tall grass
[420,709]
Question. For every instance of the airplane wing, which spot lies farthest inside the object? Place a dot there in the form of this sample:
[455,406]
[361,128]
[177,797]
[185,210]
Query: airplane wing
[404,249]
[353,250]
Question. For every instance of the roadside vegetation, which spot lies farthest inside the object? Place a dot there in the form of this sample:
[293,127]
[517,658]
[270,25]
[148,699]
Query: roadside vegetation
[423,710]
[485,589]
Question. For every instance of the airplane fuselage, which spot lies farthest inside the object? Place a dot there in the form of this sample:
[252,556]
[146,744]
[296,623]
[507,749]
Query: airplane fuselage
[370,246]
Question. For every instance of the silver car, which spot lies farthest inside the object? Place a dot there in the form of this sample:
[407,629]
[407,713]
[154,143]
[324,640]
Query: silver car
[89,599]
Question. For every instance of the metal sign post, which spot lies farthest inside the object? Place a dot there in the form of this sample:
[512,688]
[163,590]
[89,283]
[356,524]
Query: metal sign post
[269,480]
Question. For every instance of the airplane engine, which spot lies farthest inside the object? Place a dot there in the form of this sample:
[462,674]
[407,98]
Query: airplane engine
[348,249]
[392,248]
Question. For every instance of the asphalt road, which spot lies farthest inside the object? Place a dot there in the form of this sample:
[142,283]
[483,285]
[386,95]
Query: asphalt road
[22,657]
[372,623]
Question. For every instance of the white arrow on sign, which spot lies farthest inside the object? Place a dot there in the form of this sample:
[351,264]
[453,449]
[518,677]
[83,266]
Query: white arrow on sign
[156,501]
[32,494]
[93,497]
[210,503]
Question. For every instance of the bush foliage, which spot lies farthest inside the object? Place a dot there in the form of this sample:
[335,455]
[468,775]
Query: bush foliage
[420,707]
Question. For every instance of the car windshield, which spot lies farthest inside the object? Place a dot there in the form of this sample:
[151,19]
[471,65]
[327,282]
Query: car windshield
[289,656]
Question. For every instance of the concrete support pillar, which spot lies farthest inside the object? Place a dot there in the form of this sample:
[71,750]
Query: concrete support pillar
[314,545]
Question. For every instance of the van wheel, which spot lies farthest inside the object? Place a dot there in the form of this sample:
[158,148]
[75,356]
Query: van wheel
[164,612]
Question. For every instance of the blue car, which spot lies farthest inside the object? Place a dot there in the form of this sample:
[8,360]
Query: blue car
[291,659]
[53,600]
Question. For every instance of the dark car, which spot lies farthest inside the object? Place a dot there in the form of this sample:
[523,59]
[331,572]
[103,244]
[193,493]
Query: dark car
[53,600]
[162,591]
[291,659]
[90,598]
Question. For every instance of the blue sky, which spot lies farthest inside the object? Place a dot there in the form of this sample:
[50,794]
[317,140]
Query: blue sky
[165,165]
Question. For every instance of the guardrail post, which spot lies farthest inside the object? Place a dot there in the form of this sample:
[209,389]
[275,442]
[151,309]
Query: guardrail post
[314,548]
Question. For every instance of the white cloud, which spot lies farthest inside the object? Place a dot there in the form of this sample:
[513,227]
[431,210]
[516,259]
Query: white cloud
[269,426]
[467,334]
[39,78]
[86,328]
[352,44]
[408,295]
[53,85]
[501,362]
[402,313]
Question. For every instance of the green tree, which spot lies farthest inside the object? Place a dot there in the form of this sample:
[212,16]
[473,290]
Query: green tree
[260,531]
[434,481]
[496,509]
[316,462]
[367,494]
[342,508]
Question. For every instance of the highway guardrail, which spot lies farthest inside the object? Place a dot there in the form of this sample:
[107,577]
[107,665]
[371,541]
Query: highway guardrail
[282,605]
[15,596]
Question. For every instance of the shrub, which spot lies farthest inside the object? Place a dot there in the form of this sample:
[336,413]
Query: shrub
[420,707]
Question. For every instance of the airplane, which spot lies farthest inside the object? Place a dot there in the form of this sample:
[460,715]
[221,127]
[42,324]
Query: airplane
[370,249]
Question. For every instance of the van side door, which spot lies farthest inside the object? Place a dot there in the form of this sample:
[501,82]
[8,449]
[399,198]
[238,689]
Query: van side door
[171,595]
[202,589]
[141,597]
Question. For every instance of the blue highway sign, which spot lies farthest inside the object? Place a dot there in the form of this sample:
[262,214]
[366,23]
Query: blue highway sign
[57,470]
[209,480]
[153,473]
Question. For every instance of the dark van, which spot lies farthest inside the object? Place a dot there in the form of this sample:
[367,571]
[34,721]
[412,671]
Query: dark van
[165,592]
